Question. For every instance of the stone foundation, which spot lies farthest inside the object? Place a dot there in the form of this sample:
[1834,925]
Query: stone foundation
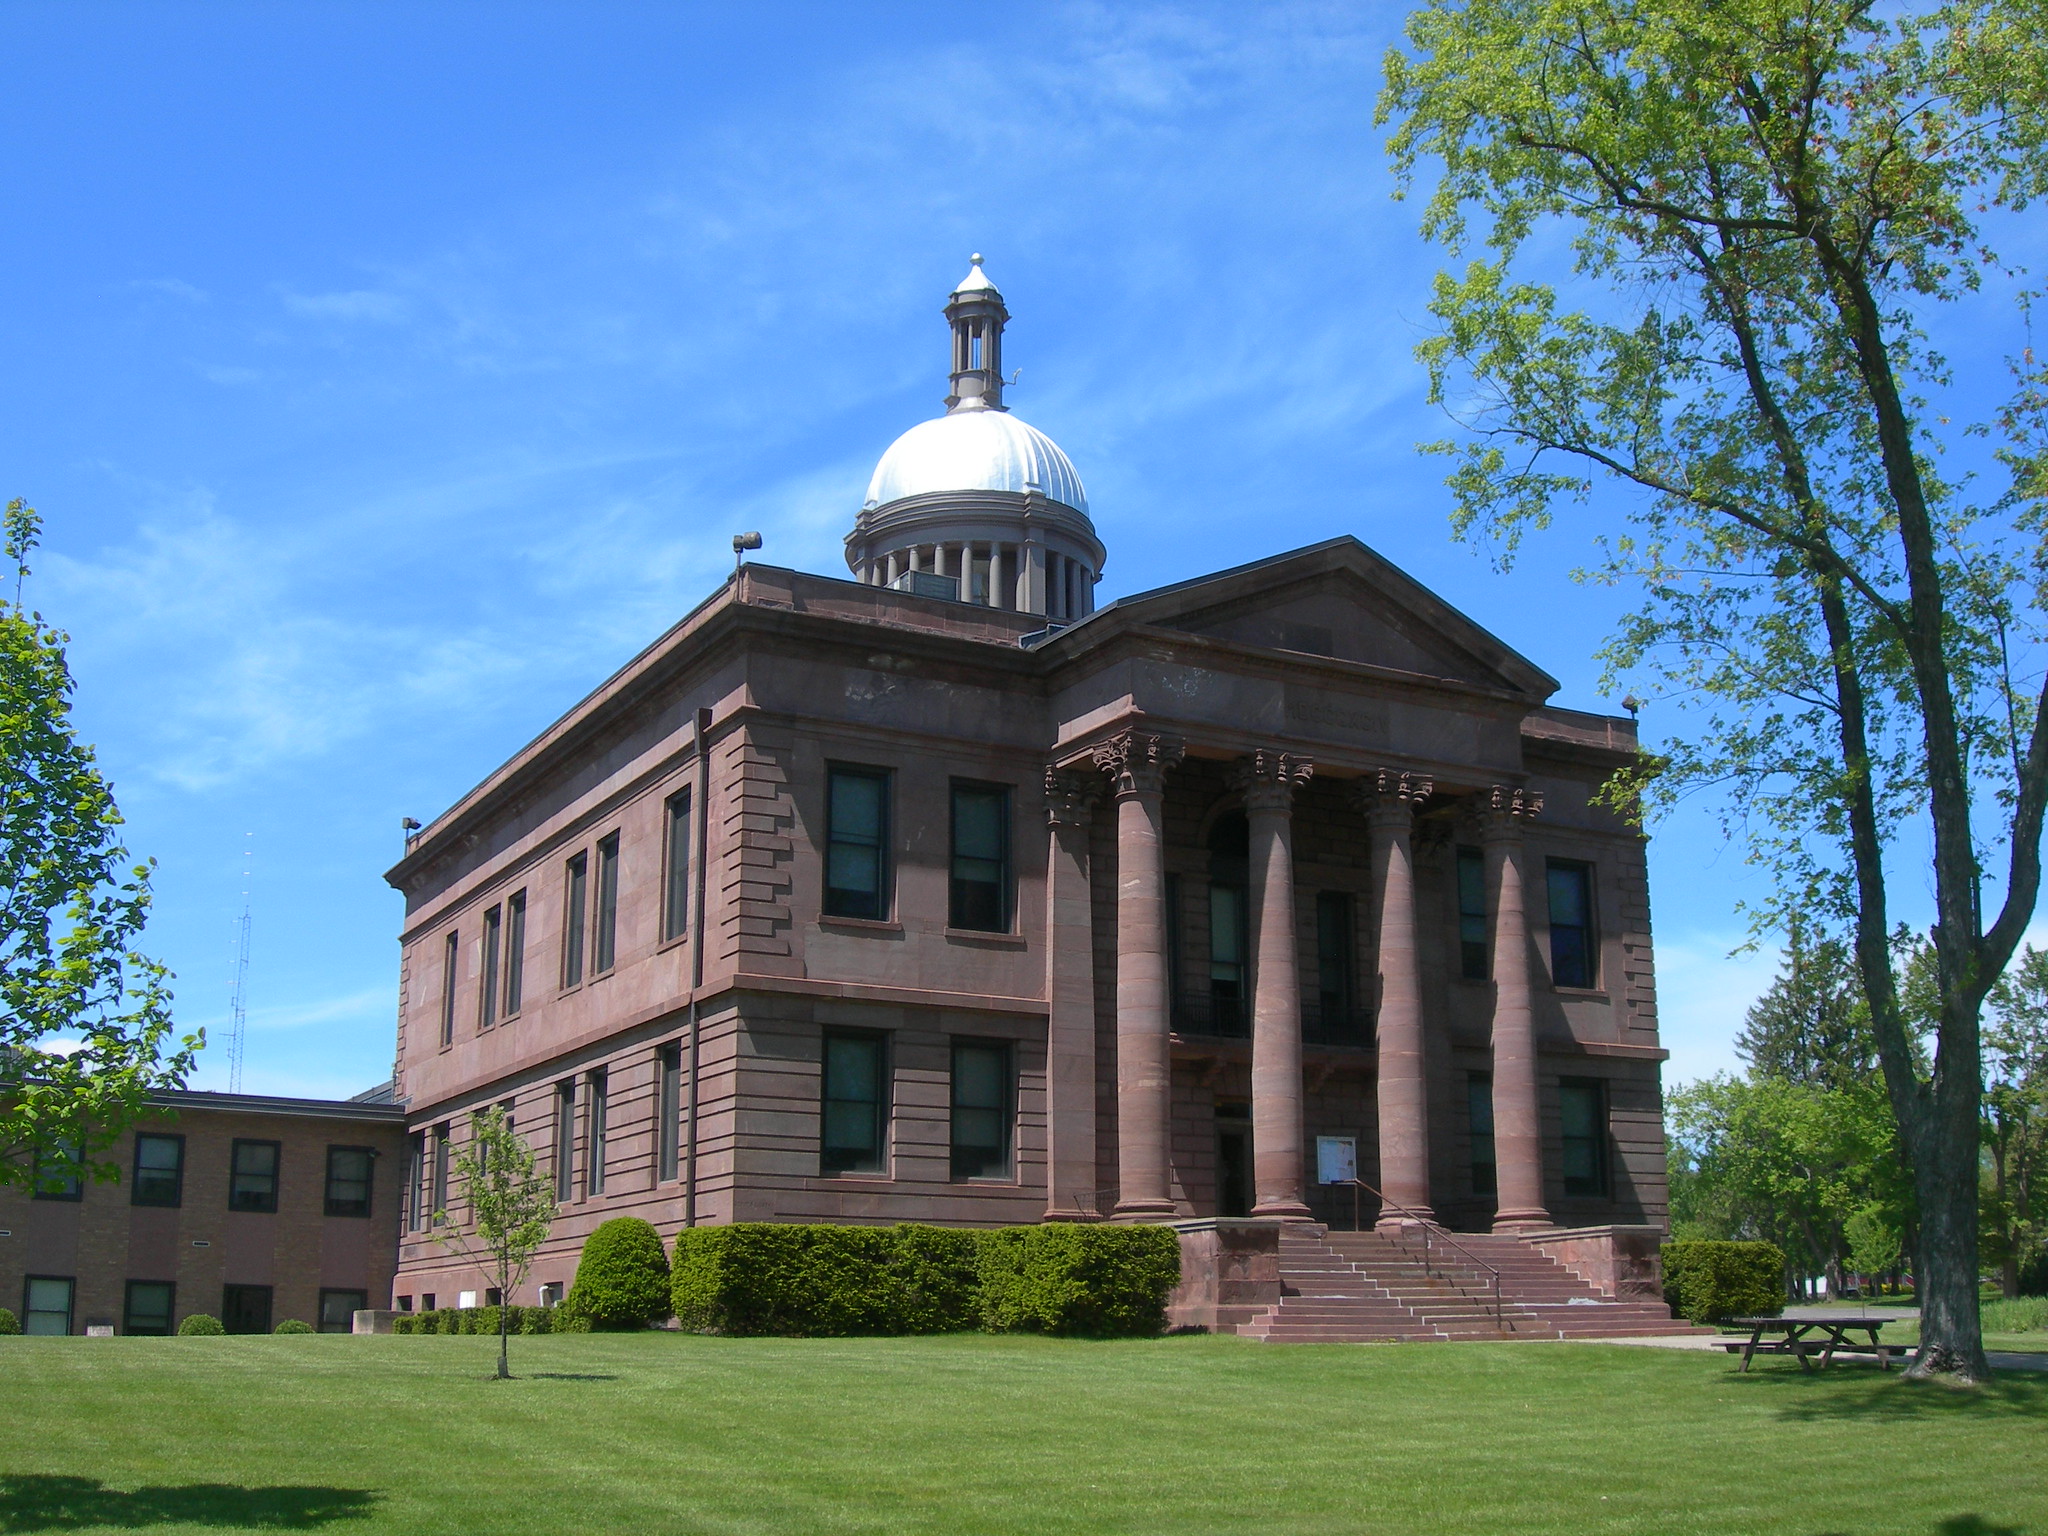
[1229,1272]
[1621,1262]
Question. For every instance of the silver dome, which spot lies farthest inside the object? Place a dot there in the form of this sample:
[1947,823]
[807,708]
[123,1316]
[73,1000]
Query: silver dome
[975,450]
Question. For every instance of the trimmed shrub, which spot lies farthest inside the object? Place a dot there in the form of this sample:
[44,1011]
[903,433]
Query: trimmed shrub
[937,1272]
[758,1277]
[450,1319]
[622,1278]
[1078,1281]
[199,1325]
[292,1325]
[535,1319]
[404,1323]
[1712,1282]
[9,1323]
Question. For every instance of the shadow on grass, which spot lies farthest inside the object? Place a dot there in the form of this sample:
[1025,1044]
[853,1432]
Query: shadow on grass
[1835,1397]
[30,1503]
[1963,1525]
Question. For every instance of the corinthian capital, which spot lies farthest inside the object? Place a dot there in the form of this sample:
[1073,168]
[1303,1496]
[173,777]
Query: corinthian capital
[1137,761]
[1070,797]
[1504,809]
[1268,780]
[1392,792]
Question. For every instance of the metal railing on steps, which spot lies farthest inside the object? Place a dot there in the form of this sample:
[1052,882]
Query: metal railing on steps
[1430,1227]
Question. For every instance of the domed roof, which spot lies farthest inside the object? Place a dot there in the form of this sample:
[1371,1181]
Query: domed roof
[976,450]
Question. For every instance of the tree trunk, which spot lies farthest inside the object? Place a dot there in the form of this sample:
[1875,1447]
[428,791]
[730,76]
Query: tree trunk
[1945,1260]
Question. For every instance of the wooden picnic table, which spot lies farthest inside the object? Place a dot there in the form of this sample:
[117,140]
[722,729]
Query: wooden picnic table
[1809,1333]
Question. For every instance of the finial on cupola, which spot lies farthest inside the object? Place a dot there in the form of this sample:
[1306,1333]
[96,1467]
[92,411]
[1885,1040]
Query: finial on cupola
[976,313]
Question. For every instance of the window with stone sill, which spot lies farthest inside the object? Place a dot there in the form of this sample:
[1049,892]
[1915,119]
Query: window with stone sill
[984,1096]
[604,946]
[1582,1111]
[1572,940]
[979,894]
[856,842]
[349,1173]
[853,1104]
[252,1184]
[159,1173]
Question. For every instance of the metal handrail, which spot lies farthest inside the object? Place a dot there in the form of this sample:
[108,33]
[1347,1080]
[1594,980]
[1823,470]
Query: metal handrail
[1430,1224]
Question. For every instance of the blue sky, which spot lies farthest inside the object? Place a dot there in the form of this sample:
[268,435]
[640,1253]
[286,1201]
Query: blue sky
[386,375]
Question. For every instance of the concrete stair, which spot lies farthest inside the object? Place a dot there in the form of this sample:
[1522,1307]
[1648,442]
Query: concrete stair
[1364,1287]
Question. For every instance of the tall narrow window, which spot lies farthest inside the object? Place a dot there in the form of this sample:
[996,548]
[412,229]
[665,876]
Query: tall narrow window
[981,858]
[451,958]
[348,1180]
[575,897]
[1227,958]
[605,945]
[856,842]
[1582,1108]
[669,1134]
[855,1104]
[983,1091]
[1335,966]
[416,1183]
[494,920]
[1571,923]
[515,952]
[253,1182]
[159,1177]
[1472,914]
[438,1195]
[565,1140]
[675,907]
[593,1146]
[1479,1118]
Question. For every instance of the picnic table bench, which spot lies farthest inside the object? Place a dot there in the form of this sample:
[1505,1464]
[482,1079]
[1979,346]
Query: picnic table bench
[1809,1334]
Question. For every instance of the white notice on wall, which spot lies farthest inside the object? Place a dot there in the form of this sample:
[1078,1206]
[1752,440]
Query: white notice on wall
[1336,1159]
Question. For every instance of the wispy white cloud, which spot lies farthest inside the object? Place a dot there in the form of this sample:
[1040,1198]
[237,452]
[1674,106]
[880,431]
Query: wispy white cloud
[174,287]
[360,304]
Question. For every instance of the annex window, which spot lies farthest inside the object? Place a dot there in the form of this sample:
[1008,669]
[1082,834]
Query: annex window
[980,893]
[1336,966]
[348,1180]
[1571,923]
[245,1308]
[46,1304]
[494,946]
[984,1090]
[1479,1119]
[1582,1109]
[575,898]
[515,952]
[669,1134]
[565,1140]
[59,1172]
[437,1194]
[604,948]
[252,1184]
[855,1104]
[159,1176]
[148,1307]
[675,906]
[593,1156]
[451,960]
[338,1310]
[1472,914]
[856,842]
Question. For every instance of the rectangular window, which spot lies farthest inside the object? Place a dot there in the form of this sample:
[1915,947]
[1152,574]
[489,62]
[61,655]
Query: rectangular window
[675,907]
[856,842]
[981,858]
[575,897]
[605,945]
[593,1155]
[1335,965]
[252,1185]
[1571,924]
[245,1308]
[159,1177]
[338,1310]
[1472,915]
[59,1172]
[565,1140]
[855,1105]
[670,1133]
[348,1180]
[493,954]
[983,1092]
[46,1304]
[416,1182]
[515,952]
[451,957]
[438,1194]
[1582,1107]
[148,1308]
[1479,1117]
[1227,946]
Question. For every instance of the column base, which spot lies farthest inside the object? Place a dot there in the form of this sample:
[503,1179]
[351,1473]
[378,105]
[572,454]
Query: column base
[1401,1221]
[1069,1213]
[1144,1210]
[1514,1223]
[1286,1210]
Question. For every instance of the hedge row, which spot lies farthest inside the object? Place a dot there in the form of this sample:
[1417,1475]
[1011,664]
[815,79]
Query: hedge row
[485,1320]
[1709,1282]
[823,1281]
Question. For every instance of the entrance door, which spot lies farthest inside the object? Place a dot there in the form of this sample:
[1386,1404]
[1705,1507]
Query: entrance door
[245,1308]
[1233,1160]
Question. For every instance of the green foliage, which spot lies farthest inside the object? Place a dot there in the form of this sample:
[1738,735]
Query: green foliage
[622,1278]
[511,1210]
[2021,1314]
[1712,1282]
[1877,1244]
[9,1323]
[404,1322]
[71,910]
[200,1326]
[535,1319]
[1086,1281]
[2014,1190]
[292,1325]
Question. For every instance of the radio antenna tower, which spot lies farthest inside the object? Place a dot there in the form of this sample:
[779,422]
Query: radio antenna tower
[238,994]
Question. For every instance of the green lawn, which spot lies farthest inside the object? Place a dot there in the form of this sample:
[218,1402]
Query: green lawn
[675,1433]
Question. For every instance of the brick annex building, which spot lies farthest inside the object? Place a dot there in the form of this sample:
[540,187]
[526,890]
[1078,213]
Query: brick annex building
[941,894]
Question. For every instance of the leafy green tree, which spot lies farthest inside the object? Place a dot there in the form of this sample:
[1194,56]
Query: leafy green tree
[85,1020]
[2016,1119]
[1762,200]
[511,1210]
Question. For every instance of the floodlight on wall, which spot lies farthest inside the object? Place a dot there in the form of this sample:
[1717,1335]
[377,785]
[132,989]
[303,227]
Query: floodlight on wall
[741,543]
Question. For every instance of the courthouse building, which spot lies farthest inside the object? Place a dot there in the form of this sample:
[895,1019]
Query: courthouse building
[939,892]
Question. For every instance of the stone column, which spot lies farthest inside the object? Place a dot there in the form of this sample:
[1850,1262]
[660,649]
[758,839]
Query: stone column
[1517,1112]
[1071,1176]
[1390,800]
[1137,762]
[1268,783]
[1031,576]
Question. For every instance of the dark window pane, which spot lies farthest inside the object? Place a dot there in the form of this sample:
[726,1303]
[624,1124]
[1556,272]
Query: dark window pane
[159,1177]
[338,1310]
[46,1305]
[348,1181]
[515,952]
[1336,1019]
[439,1174]
[671,1110]
[1571,924]
[493,939]
[245,1308]
[1479,1114]
[1582,1109]
[1472,914]
[253,1180]
[856,834]
[981,858]
[982,1095]
[607,940]
[1227,944]
[149,1307]
[676,909]
[565,1141]
[575,896]
[854,1105]
[593,1155]
[451,960]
